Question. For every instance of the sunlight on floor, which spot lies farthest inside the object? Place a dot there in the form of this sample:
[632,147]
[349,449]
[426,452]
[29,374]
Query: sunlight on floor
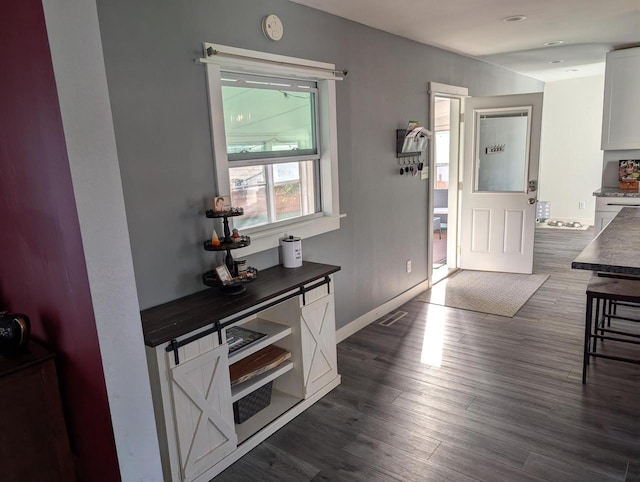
[433,337]
[438,293]
[440,272]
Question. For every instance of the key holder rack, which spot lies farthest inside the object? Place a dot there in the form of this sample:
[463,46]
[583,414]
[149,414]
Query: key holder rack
[410,147]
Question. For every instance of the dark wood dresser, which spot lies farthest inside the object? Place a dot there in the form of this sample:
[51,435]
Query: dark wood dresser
[33,437]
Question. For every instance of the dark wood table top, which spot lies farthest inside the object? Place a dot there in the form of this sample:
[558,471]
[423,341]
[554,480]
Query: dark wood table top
[165,322]
[617,248]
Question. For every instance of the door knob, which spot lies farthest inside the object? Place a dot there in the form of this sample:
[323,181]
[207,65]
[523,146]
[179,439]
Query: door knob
[532,200]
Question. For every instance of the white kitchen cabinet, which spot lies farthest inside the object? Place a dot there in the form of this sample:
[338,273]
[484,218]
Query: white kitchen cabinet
[621,122]
[193,397]
[607,207]
[602,218]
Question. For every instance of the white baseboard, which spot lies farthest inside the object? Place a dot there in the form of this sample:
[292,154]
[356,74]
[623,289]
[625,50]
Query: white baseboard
[364,320]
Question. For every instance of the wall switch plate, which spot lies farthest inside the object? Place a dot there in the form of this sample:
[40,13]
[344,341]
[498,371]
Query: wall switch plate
[408,266]
[581,205]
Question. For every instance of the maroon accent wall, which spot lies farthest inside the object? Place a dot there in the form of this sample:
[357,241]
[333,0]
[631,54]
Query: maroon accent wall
[42,266]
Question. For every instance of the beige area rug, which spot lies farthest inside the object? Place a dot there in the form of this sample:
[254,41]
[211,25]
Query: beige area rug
[487,292]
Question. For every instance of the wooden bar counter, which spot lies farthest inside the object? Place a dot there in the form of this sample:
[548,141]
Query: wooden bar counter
[617,248]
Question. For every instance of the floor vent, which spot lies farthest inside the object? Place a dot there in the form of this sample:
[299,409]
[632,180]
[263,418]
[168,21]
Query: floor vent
[391,318]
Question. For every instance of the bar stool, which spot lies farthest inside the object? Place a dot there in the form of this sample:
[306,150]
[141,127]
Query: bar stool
[608,293]
[613,306]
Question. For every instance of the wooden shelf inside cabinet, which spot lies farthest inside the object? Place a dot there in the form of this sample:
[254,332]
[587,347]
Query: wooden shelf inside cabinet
[245,388]
[274,332]
[280,403]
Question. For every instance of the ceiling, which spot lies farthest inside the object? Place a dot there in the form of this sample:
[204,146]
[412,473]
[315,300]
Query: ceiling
[475,28]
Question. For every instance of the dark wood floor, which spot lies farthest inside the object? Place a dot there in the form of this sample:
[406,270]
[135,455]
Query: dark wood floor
[506,404]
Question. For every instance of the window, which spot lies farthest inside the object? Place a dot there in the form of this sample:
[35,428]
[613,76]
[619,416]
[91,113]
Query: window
[273,124]
[272,149]
[268,117]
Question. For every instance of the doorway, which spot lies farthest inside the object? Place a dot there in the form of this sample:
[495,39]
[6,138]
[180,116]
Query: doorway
[503,245]
[502,146]
[445,122]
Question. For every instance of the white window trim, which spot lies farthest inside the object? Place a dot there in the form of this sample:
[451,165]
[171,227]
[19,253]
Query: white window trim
[250,61]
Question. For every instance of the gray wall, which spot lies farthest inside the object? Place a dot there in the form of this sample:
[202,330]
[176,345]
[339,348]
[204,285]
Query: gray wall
[159,101]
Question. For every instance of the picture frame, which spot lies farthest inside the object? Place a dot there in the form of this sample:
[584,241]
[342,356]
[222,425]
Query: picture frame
[223,274]
[221,204]
[629,169]
[629,174]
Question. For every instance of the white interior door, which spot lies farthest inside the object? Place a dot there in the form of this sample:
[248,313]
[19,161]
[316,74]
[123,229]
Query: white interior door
[500,171]
[445,115]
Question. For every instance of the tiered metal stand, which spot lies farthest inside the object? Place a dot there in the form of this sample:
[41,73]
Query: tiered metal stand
[227,243]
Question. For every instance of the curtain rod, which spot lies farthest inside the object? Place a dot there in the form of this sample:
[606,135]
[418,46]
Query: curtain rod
[210,51]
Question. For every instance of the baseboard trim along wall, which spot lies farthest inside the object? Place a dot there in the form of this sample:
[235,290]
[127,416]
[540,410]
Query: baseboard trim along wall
[368,318]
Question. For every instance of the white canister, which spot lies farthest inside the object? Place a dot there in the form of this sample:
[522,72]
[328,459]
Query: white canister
[291,252]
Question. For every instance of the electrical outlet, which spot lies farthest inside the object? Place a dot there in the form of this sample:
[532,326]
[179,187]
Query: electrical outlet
[581,205]
[408,266]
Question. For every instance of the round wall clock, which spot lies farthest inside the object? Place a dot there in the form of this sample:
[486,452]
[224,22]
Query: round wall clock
[272,27]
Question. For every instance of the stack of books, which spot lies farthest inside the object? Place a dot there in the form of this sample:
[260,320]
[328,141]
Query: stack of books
[238,338]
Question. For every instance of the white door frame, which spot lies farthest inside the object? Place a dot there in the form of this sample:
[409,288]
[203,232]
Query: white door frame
[436,89]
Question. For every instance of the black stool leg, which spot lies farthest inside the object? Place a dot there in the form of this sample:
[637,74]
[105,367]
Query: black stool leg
[597,322]
[587,335]
[612,308]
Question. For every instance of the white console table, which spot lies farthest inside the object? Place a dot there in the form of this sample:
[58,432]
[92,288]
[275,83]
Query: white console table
[189,365]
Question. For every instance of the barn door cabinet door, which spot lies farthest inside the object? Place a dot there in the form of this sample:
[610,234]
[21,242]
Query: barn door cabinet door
[312,342]
[197,412]
[318,339]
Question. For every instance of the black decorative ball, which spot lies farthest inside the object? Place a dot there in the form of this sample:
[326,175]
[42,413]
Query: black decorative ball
[15,329]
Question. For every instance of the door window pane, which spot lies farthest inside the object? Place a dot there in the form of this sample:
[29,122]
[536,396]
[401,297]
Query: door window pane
[502,151]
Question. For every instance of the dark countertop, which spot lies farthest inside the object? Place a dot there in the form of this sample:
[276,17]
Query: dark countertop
[165,322]
[615,249]
[615,192]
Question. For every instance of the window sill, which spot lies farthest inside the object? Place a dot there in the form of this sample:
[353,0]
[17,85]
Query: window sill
[270,238]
